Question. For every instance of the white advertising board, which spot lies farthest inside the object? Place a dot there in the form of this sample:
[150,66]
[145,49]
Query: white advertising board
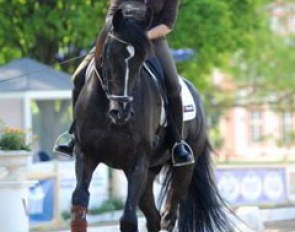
[98,188]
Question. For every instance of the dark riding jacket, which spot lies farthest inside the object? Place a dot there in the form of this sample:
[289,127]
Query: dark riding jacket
[164,11]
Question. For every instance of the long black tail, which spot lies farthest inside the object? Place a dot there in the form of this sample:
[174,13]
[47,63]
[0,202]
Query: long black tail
[203,210]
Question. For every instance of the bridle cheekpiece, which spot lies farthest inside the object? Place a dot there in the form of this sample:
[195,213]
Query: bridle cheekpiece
[131,50]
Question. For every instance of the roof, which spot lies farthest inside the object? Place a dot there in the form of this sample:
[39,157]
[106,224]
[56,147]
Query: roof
[29,75]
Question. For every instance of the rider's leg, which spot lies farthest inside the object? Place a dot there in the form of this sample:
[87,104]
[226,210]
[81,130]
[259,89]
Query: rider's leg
[78,79]
[181,151]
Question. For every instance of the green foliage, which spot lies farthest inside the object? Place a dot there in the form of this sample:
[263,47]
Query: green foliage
[111,204]
[39,29]
[270,63]
[13,139]
[216,30]
[66,215]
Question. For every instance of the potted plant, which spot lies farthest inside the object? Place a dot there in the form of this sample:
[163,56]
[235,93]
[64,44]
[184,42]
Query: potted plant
[14,153]
[14,186]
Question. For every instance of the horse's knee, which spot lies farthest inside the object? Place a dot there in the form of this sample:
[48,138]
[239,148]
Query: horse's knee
[80,197]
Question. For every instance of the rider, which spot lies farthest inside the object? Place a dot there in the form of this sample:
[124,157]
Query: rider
[164,17]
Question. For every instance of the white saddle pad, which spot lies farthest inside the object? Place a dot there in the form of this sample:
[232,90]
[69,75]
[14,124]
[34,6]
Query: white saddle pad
[189,106]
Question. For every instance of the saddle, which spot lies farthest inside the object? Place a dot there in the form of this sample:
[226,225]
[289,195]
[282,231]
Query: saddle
[153,67]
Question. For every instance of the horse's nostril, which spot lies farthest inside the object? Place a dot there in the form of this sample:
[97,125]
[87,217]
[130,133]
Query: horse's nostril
[114,114]
[121,116]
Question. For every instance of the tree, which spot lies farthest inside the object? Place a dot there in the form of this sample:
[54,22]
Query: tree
[216,30]
[41,29]
[236,37]
[270,63]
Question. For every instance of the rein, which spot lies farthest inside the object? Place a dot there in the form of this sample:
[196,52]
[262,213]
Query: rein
[118,39]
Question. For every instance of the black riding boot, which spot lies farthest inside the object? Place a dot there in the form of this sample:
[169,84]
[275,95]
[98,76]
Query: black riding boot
[181,152]
[67,148]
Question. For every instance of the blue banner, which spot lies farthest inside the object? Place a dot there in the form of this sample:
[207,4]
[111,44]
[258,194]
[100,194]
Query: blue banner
[253,186]
[41,201]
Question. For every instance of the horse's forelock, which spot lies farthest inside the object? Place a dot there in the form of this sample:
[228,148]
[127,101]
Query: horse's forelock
[133,32]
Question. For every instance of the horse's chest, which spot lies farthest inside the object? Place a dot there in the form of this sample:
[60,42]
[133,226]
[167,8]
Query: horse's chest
[117,143]
[113,147]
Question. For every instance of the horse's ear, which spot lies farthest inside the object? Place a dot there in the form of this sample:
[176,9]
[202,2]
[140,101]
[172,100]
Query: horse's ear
[117,19]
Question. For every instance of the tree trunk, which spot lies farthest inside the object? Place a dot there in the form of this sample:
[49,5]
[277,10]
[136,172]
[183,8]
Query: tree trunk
[50,124]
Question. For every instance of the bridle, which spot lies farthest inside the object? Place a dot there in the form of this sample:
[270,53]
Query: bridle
[125,98]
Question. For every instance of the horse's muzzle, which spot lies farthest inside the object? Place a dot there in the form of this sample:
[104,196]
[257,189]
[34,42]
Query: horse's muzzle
[121,113]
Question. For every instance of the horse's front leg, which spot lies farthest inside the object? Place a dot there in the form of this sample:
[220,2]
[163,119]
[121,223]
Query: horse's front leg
[147,203]
[137,176]
[84,168]
[181,177]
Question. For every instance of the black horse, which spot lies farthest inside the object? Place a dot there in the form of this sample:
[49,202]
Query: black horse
[118,123]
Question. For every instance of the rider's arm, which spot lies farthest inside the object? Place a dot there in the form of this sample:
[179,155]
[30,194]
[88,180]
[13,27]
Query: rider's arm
[158,31]
[167,21]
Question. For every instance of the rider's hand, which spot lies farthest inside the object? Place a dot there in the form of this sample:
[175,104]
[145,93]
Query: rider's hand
[158,31]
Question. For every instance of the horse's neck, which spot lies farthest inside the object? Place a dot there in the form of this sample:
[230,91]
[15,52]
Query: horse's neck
[148,85]
[95,93]
[147,98]
[144,89]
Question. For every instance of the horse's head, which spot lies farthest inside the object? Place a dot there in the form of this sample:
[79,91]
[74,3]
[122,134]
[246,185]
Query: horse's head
[124,52]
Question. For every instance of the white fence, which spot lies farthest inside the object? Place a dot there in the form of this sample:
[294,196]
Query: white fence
[240,185]
[55,182]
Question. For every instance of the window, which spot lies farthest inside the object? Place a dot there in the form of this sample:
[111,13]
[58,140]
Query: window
[287,127]
[255,126]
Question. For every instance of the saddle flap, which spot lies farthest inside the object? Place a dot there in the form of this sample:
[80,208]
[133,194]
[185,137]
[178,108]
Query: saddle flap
[189,106]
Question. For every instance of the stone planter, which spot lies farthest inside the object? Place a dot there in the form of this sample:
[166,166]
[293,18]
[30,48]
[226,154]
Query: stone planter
[14,203]
[15,164]
[14,189]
